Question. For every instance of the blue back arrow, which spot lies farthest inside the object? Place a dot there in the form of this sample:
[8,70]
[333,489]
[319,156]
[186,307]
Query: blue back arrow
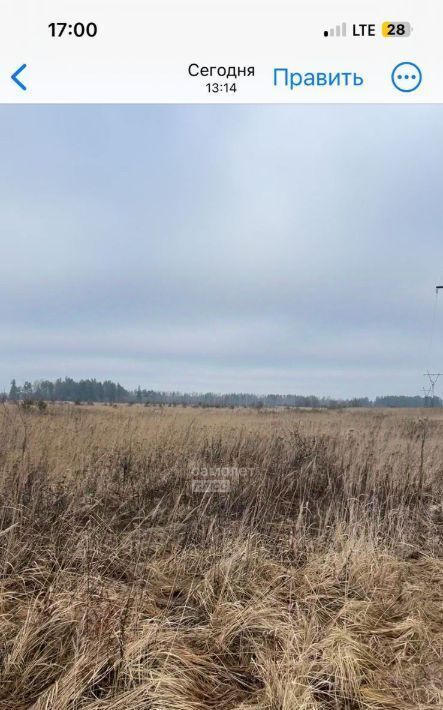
[15,78]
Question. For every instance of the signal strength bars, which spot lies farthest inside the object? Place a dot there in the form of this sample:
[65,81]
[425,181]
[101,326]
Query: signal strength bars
[337,31]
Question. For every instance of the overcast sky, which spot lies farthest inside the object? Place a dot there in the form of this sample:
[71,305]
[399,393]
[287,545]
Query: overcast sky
[238,248]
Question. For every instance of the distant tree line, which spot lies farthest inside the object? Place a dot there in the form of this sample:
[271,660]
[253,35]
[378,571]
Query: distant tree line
[91,390]
[68,390]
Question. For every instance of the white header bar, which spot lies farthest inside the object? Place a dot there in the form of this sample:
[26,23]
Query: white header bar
[220,51]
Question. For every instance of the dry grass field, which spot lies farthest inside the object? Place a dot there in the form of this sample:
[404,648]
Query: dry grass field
[315,581]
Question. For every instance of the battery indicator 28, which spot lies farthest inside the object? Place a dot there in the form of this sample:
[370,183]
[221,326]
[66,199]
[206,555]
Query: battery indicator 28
[396,29]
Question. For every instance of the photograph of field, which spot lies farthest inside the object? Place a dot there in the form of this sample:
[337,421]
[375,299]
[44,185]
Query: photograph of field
[304,572]
[221,412]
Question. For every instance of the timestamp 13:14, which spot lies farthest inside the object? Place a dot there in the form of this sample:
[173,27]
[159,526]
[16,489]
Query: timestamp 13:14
[216,88]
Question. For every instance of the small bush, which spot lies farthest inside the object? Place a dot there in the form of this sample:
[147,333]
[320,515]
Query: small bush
[27,404]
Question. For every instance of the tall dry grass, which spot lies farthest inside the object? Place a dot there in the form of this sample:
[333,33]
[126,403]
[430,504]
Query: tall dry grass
[315,582]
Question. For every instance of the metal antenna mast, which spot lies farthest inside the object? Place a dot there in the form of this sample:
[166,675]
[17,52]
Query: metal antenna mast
[426,395]
[432,377]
